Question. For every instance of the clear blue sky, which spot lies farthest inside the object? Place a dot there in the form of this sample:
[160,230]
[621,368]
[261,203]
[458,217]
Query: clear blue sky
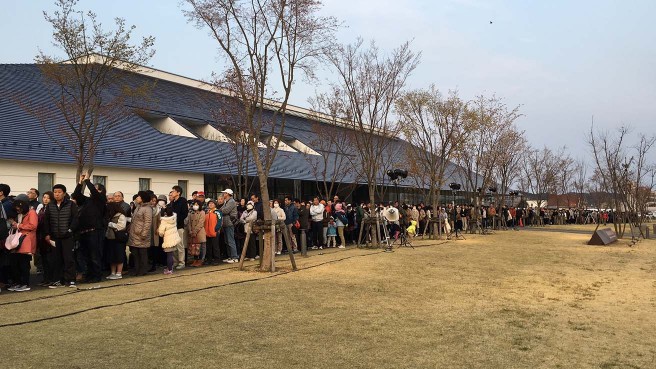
[563,61]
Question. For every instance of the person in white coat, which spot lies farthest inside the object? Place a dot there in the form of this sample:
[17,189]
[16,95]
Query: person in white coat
[316,216]
[116,237]
[169,231]
[280,215]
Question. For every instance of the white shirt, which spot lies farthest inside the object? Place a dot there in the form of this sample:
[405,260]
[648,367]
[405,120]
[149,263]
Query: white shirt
[316,212]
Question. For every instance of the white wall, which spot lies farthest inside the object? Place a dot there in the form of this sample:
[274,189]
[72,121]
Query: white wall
[23,175]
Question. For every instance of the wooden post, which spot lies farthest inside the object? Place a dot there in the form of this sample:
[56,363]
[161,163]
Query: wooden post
[260,240]
[286,233]
[303,243]
[243,251]
[423,234]
[362,225]
[273,246]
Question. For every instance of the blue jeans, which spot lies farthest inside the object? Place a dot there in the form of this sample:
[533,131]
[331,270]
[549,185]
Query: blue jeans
[229,233]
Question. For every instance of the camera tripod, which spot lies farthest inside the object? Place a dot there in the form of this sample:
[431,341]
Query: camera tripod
[458,234]
[404,239]
[370,225]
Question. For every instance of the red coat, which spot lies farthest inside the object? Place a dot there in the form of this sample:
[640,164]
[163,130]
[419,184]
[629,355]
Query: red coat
[28,228]
[210,224]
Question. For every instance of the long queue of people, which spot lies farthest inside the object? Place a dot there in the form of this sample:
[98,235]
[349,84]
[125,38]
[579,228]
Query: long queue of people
[89,236]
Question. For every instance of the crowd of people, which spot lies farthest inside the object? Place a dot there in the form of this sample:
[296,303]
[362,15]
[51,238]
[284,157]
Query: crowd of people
[89,235]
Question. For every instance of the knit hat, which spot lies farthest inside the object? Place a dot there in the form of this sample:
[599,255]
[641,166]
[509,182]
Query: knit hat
[22,197]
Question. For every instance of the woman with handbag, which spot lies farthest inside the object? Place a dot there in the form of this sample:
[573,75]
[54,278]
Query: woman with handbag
[116,237]
[23,244]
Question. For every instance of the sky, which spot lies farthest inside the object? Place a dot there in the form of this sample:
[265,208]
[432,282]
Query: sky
[563,62]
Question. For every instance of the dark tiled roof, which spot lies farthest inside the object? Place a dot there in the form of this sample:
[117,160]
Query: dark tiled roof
[135,143]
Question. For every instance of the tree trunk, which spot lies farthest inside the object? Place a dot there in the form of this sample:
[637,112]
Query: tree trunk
[268,255]
[372,199]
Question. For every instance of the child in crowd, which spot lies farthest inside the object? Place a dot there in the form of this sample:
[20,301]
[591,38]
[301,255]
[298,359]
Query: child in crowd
[332,233]
[412,229]
[169,230]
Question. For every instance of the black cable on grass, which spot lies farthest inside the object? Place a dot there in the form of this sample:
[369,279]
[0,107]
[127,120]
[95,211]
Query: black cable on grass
[83,289]
[133,301]
[96,288]
[174,293]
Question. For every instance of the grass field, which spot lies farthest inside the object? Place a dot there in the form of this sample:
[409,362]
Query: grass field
[509,300]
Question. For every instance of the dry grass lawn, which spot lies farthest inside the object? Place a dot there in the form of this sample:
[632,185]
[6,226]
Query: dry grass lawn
[509,300]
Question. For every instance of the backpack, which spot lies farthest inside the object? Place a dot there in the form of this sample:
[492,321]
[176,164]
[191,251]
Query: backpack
[342,218]
[219,221]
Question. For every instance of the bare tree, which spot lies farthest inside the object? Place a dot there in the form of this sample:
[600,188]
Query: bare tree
[368,86]
[540,173]
[478,159]
[564,176]
[228,118]
[435,128]
[580,180]
[89,87]
[511,150]
[335,156]
[641,180]
[266,43]
[599,195]
[625,173]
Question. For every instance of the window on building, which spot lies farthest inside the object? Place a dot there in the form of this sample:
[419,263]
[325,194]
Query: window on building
[144,184]
[100,180]
[184,184]
[46,181]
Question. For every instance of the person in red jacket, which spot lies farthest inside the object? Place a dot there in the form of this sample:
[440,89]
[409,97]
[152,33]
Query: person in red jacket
[212,229]
[22,256]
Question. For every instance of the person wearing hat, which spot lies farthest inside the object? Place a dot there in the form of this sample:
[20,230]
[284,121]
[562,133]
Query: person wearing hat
[161,202]
[213,220]
[197,236]
[229,212]
[200,196]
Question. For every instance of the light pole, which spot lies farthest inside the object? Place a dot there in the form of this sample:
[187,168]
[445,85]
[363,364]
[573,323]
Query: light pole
[397,175]
[493,190]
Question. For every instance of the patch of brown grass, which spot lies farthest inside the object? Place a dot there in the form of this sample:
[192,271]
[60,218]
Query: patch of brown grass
[509,300]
